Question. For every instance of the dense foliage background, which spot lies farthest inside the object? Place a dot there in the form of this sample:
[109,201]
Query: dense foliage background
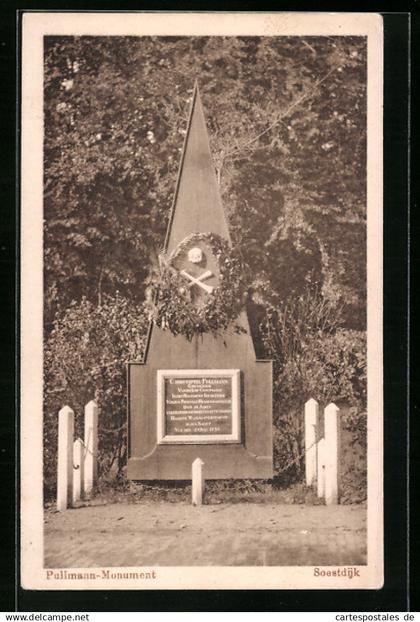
[287,124]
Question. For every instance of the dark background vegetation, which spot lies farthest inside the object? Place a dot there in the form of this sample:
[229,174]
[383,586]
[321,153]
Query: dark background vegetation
[287,124]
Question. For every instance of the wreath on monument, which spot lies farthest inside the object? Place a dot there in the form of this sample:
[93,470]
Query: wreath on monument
[171,307]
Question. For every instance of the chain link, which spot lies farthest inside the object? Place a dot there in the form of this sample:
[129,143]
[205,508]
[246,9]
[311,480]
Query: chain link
[87,451]
[287,466]
[111,430]
[295,459]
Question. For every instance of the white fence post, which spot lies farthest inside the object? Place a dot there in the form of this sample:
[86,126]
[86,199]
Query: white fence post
[311,423]
[320,477]
[65,458]
[332,444]
[78,448]
[91,447]
[197,482]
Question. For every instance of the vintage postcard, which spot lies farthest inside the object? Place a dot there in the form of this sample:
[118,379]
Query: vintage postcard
[201,292]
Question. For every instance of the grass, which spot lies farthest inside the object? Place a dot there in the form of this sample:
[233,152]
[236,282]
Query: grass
[216,492]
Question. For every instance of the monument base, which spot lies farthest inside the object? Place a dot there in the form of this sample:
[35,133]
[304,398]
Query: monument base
[239,397]
[220,462]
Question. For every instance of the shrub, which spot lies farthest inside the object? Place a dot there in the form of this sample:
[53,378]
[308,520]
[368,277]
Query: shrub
[85,358]
[314,357]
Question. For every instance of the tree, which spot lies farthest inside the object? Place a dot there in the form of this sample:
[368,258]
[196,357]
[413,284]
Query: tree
[287,124]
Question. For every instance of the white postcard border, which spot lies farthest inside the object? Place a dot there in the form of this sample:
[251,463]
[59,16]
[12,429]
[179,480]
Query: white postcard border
[35,26]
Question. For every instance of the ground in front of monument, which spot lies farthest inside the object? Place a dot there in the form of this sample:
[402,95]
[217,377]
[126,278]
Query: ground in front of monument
[265,531]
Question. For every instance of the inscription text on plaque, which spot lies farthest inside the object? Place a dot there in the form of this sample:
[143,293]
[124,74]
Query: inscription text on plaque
[198,406]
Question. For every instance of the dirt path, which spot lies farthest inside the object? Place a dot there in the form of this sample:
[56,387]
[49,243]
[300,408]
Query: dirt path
[165,534]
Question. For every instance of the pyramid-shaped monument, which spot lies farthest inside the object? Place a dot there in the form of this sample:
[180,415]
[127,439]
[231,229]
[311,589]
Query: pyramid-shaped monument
[205,396]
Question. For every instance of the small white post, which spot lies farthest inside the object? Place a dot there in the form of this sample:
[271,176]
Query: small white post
[91,447]
[320,471]
[311,423]
[197,482]
[65,458]
[78,447]
[332,444]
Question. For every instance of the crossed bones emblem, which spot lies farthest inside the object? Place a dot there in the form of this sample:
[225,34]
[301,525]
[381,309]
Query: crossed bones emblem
[195,256]
[199,280]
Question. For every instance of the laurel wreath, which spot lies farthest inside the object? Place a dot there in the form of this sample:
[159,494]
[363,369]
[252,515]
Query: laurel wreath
[171,307]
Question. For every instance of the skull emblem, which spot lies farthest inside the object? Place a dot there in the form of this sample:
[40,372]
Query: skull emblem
[195,255]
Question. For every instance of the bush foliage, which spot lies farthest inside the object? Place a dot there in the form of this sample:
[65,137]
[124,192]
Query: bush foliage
[314,358]
[85,358]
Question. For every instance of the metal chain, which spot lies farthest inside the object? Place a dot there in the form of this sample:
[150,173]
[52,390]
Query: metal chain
[84,453]
[124,425]
[296,459]
[110,430]
[86,445]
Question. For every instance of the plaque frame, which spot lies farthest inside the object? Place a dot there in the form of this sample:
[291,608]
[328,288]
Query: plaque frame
[198,439]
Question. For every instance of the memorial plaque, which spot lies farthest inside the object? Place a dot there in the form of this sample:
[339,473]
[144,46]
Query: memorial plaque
[198,406]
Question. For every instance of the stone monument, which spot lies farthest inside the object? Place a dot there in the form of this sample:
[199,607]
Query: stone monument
[206,395]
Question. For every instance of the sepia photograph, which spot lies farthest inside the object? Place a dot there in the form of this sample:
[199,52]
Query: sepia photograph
[201,301]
